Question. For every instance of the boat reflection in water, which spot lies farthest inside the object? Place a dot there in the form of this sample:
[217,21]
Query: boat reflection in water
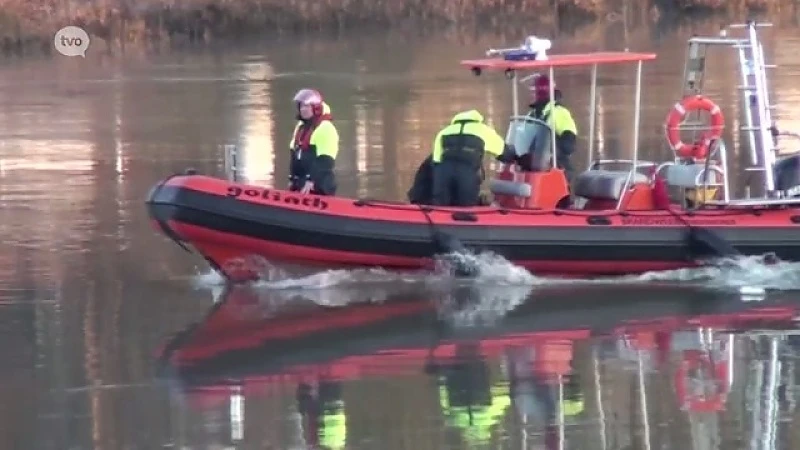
[565,367]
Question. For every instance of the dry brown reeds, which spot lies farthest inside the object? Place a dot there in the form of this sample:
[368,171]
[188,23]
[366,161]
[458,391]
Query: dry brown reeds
[724,4]
[32,23]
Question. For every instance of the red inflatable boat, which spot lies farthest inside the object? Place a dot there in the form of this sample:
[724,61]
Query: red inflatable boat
[608,222]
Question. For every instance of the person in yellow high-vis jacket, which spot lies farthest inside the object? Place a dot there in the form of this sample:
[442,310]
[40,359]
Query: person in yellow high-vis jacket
[457,158]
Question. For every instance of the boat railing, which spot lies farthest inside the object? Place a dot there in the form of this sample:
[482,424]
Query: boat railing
[719,148]
[780,334]
[791,135]
[630,164]
[527,118]
[701,179]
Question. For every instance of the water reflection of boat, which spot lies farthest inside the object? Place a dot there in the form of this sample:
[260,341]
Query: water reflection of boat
[247,321]
[236,354]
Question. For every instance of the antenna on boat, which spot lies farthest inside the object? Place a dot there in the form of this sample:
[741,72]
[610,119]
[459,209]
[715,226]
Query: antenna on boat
[231,162]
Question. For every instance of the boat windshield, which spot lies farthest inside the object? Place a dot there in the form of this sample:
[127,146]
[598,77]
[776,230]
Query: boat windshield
[531,139]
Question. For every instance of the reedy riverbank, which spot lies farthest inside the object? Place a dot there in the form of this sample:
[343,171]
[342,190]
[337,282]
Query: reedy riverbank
[29,25]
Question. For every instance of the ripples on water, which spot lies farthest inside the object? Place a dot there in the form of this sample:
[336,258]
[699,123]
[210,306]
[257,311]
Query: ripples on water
[88,290]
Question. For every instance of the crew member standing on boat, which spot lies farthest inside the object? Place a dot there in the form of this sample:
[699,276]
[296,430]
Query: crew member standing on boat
[458,158]
[314,146]
[558,116]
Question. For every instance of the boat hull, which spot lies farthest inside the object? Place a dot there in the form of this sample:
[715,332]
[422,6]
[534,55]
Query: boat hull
[234,225]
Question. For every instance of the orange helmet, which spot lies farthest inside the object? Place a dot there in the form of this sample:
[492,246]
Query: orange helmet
[310,97]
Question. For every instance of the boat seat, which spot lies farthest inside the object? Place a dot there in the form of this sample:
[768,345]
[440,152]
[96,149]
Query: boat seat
[689,176]
[604,184]
[508,187]
[529,190]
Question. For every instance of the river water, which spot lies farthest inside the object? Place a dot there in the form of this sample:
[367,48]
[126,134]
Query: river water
[91,297]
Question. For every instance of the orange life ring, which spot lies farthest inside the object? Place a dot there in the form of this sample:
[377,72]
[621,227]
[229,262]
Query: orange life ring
[697,360]
[699,150]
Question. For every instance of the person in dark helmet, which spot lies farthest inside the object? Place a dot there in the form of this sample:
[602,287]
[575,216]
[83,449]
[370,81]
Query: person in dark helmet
[457,159]
[314,146]
[557,116]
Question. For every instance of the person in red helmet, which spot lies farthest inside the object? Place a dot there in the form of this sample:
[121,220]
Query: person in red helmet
[557,116]
[314,146]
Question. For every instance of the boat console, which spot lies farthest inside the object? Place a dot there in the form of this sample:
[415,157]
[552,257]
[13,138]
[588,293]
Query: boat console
[530,183]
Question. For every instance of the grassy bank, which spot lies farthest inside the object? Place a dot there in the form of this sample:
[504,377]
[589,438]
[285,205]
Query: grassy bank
[30,24]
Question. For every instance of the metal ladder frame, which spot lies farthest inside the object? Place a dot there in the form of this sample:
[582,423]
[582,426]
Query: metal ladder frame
[754,90]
